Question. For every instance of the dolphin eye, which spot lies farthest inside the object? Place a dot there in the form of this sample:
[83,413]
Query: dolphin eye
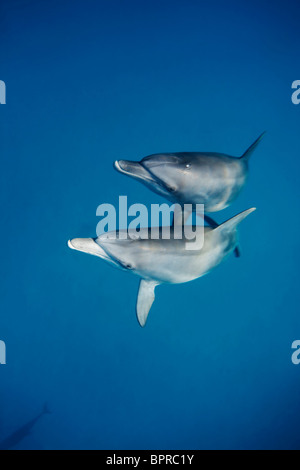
[172,189]
[128,266]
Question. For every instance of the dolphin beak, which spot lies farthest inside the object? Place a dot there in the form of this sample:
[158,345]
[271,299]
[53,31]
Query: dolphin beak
[87,245]
[134,169]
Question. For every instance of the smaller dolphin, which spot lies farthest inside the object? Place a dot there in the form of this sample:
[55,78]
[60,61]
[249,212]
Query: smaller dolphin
[24,431]
[212,179]
[159,261]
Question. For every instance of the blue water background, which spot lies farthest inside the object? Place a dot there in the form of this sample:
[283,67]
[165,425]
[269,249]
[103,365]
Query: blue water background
[89,82]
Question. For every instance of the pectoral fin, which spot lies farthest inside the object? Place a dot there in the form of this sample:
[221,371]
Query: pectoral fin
[145,300]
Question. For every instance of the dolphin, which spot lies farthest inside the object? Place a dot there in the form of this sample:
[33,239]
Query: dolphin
[212,179]
[159,261]
[24,431]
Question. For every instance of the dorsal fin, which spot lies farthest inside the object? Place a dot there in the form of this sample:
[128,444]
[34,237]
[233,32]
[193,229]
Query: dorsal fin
[252,147]
[232,223]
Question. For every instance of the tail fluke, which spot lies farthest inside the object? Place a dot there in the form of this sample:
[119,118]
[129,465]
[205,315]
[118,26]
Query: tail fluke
[252,147]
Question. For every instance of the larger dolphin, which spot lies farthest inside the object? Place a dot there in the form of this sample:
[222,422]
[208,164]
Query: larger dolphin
[159,261]
[212,179]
